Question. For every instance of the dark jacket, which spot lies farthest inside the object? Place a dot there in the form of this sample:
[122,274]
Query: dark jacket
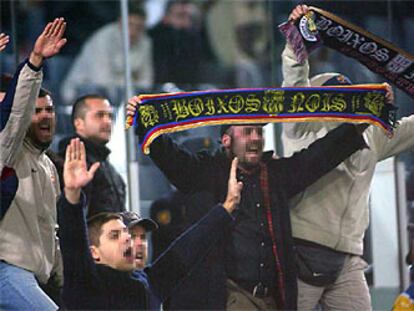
[178,55]
[287,177]
[174,212]
[106,192]
[95,286]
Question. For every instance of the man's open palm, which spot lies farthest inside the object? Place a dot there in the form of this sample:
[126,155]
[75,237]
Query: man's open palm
[51,40]
[75,172]
[4,39]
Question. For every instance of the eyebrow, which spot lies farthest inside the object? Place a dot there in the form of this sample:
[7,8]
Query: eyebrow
[45,108]
[118,230]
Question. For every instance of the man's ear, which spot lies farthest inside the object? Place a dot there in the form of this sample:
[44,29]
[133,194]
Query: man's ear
[77,123]
[95,253]
[226,140]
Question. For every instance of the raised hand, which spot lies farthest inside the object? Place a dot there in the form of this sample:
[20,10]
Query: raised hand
[234,188]
[4,39]
[49,42]
[131,110]
[389,96]
[132,106]
[297,12]
[75,172]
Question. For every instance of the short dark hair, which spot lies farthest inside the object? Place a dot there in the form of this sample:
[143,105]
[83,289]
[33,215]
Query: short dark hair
[44,92]
[135,8]
[171,3]
[79,106]
[224,129]
[95,224]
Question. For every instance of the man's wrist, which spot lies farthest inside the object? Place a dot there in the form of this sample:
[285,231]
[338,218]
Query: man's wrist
[72,195]
[229,205]
[36,59]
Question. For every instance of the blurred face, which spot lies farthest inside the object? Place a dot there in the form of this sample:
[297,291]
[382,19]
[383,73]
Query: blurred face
[246,143]
[42,127]
[115,247]
[181,16]
[139,237]
[136,27]
[97,122]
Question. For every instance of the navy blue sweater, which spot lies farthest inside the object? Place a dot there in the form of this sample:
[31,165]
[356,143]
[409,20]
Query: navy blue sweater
[95,286]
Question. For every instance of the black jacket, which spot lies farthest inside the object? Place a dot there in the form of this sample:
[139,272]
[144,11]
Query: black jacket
[106,192]
[287,177]
[178,55]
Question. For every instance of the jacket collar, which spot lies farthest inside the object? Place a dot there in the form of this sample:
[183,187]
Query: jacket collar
[101,152]
[27,142]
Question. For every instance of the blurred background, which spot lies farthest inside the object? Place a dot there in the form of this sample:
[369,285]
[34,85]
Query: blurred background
[210,44]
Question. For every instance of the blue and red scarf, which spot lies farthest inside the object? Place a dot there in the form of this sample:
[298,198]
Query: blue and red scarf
[158,114]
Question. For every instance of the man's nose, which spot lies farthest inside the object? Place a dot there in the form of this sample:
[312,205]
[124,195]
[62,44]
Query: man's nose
[138,241]
[107,119]
[255,135]
[127,237]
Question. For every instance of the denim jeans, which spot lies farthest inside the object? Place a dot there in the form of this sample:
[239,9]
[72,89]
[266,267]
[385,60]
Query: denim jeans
[19,290]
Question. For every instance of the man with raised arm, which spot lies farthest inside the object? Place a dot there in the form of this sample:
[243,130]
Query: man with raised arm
[253,267]
[29,181]
[99,256]
[330,217]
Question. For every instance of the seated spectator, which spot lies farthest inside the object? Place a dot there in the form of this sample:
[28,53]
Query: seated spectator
[100,65]
[251,54]
[88,16]
[180,44]
[100,275]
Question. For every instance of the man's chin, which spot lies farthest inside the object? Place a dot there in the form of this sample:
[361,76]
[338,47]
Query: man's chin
[42,144]
[127,267]
[139,264]
[252,160]
[248,165]
[102,140]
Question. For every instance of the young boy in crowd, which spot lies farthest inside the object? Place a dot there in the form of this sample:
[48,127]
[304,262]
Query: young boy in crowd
[99,260]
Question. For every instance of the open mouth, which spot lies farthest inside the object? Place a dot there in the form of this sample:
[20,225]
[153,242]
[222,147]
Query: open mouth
[128,252]
[44,128]
[253,149]
[106,130]
[139,256]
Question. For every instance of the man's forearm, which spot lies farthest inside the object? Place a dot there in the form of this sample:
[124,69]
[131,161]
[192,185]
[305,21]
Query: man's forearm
[294,74]
[16,110]
[187,250]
